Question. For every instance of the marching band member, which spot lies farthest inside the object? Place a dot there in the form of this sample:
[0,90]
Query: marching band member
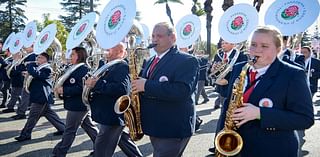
[25,96]
[77,113]
[312,68]
[41,98]
[226,55]
[290,56]
[5,79]
[16,83]
[106,91]
[203,61]
[167,86]
[275,103]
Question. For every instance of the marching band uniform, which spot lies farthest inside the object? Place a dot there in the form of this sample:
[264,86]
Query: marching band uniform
[276,124]
[16,86]
[77,113]
[125,143]
[106,91]
[293,58]
[41,98]
[313,72]
[202,79]
[25,96]
[222,89]
[168,100]
[282,102]
[5,81]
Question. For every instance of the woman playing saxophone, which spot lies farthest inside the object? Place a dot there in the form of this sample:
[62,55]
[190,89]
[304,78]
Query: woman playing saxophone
[274,103]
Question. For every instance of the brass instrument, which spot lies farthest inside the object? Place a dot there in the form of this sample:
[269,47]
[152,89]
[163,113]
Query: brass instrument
[221,69]
[86,92]
[65,76]
[228,142]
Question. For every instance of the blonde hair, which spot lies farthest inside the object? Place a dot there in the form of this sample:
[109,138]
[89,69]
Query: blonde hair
[276,35]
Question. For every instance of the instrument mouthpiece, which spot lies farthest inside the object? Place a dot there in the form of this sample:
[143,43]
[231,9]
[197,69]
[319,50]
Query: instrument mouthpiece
[253,60]
[152,45]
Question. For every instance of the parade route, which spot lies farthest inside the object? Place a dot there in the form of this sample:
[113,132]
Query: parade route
[43,141]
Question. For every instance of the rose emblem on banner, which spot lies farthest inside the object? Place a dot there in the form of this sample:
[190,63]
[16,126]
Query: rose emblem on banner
[29,33]
[290,12]
[237,23]
[115,18]
[44,39]
[187,30]
[16,43]
[81,29]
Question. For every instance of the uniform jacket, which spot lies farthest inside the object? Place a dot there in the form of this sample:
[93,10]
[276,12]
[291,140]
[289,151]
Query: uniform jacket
[112,85]
[167,104]
[222,89]
[293,59]
[41,85]
[203,68]
[291,109]
[3,69]
[72,90]
[16,76]
[315,74]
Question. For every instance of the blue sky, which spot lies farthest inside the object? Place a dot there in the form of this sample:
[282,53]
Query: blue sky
[150,13]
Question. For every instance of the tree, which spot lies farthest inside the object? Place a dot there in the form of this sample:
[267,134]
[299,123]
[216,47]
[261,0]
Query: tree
[208,9]
[12,18]
[75,10]
[168,10]
[197,8]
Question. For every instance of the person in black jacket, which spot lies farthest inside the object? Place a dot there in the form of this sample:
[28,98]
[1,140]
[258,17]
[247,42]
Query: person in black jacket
[105,91]
[41,98]
[16,83]
[4,77]
[77,112]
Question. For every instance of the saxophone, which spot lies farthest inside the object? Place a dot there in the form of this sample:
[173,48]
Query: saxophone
[130,104]
[228,142]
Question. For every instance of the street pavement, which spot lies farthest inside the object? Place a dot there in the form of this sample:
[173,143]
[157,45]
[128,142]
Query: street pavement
[43,141]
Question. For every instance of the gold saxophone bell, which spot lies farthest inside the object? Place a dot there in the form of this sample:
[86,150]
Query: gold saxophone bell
[228,142]
[122,104]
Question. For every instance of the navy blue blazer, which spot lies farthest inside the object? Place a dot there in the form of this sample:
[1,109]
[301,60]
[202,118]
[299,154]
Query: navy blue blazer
[72,90]
[298,60]
[222,89]
[315,74]
[203,68]
[105,93]
[273,135]
[3,70]
[167,104]
[41,85]
[16,76]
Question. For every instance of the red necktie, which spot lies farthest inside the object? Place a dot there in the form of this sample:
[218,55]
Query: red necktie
[225,57]
[153,65]
[248,92]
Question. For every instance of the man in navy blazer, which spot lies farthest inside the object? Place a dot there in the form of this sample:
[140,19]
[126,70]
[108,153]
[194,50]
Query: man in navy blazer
[278,104]
[166,88]
[312,68]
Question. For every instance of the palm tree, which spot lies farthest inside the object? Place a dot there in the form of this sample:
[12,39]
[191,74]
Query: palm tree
[208,9]
[168,10]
